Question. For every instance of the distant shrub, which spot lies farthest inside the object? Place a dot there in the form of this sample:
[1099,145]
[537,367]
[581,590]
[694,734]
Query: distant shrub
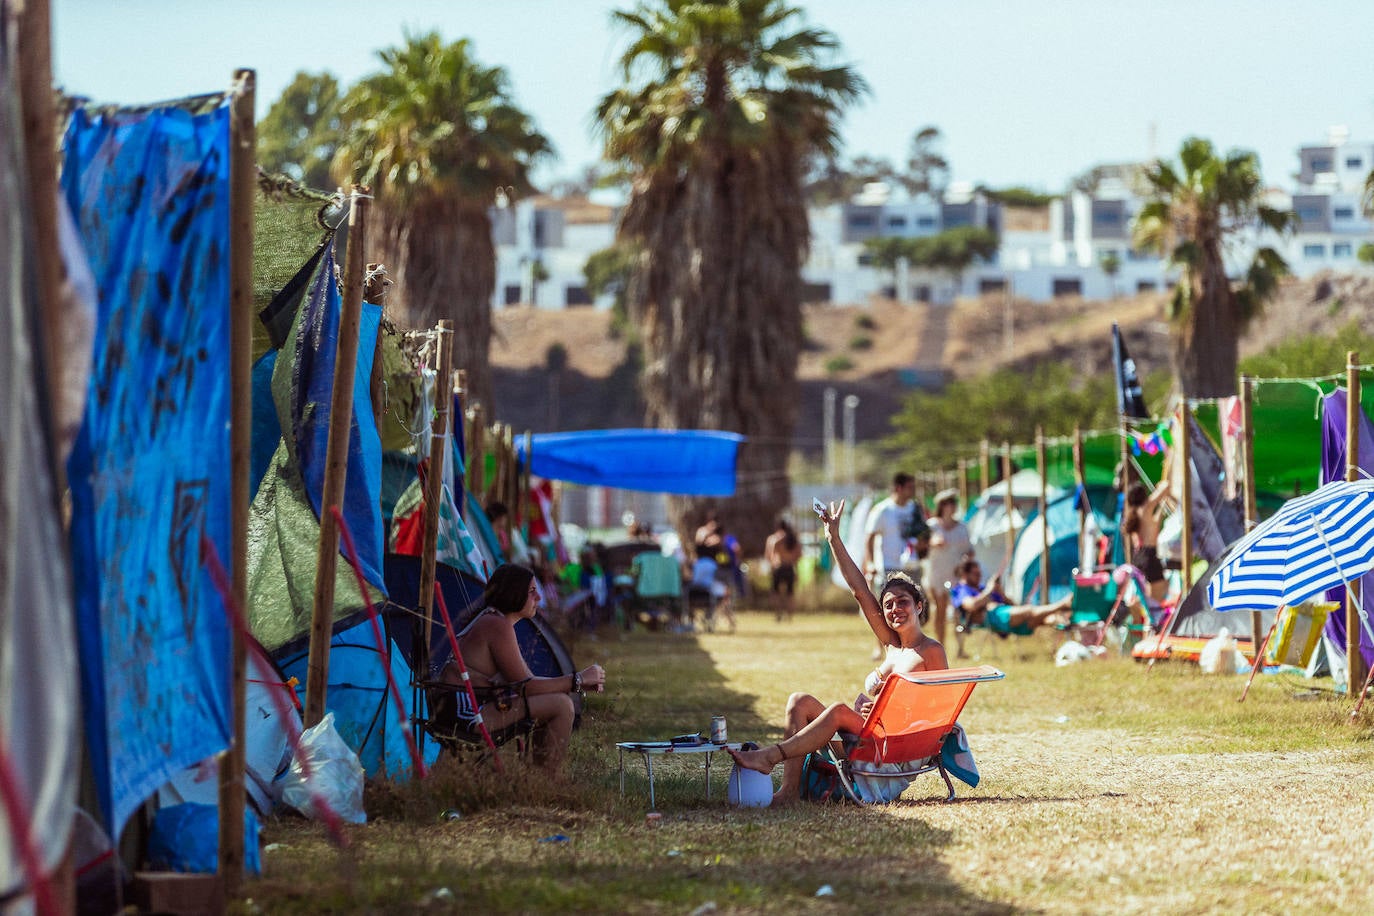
[865,322]
[837,364]
[861,342]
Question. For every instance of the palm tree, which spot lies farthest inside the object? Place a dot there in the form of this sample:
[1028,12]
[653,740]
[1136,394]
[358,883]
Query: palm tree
[436,136]
[724,106]
[301,131]
[1194,211]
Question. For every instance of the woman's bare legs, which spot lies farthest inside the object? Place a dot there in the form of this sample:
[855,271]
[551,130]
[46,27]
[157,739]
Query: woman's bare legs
[941,615]
[1036,614]
[809,726]
[552,710]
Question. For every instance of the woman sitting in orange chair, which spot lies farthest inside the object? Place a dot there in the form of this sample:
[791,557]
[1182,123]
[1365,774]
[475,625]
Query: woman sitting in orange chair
[896,618]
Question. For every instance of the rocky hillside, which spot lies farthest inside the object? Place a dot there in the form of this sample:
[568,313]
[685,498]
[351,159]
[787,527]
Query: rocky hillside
[878,351]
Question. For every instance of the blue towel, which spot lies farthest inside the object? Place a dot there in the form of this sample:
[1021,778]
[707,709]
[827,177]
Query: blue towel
[957,757]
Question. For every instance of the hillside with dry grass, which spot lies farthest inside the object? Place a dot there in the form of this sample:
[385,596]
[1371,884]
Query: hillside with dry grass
[870,350]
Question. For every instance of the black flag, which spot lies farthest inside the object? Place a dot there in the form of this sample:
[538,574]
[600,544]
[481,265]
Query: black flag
[1130,401]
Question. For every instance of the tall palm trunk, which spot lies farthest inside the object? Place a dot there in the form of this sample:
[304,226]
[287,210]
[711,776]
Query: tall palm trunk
[420,245]
[719,301]
[1205,344]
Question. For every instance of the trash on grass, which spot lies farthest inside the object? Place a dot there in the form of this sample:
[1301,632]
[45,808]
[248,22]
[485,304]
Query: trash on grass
[825,890]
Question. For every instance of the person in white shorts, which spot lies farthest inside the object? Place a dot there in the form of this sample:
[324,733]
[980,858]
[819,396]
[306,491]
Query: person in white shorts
[949,542]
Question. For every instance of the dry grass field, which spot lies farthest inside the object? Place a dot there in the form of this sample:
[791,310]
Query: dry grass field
[1104,789]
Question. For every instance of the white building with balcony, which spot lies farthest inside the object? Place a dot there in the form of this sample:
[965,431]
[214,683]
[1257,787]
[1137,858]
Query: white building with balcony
[1059,249]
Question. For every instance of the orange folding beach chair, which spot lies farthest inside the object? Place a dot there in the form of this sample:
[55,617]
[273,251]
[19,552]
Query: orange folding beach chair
[905,730]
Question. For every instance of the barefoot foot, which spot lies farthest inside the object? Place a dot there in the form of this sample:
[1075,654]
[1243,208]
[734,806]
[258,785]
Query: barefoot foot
[753,760]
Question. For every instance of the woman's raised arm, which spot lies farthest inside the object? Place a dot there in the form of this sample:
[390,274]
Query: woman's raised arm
[853,576]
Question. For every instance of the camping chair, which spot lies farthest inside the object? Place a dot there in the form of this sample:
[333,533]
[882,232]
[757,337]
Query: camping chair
[964,629]
[1096,599]
[701,598]
[658,593]
[905,729]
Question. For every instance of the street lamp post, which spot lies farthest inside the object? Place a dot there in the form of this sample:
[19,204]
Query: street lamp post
[828,434]
[851,403]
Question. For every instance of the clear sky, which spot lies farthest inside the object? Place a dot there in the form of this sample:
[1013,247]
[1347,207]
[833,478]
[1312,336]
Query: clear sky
[1028,93]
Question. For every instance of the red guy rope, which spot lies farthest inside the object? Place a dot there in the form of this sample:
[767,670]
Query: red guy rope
[467,681]
[21,832]
[352,553]
[220,578]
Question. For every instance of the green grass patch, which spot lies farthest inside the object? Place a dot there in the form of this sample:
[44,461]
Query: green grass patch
[1093,777]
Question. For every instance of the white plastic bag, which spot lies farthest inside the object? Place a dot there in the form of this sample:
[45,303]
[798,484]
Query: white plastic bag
[1219,654]
[336,776]
[1071,653]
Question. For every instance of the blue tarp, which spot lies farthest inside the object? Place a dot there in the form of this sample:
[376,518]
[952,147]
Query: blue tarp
[149,471]
[316,345]
[364,712]
[689,462]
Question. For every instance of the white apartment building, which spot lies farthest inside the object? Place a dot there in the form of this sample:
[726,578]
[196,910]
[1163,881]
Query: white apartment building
[1332,224]
[1056,250]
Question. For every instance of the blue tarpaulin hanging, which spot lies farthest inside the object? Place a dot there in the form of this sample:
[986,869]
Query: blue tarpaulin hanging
[316,345]
[689,462]
[149,475]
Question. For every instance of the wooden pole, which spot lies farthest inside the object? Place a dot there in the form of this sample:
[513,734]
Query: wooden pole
[434,482]
[984,466]
[1041,465]
[336,460]
[1183,445]
[242,188]
[1355,666]
[1009,505]
[963,482]
[33,21]
[1126,473]
[514,498]
[476,459]
[1080,479]
[1247,444]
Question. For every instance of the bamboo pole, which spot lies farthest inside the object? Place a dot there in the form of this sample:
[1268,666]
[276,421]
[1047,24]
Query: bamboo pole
[1355,666]
[476,457]
[242,187]
[336,460]
[1184,447]
[1247,442]
[984,466]
[1080,479]
[33,21]
[514,498]
[1185,498]
[1041,466]
[434,483]
[1008,504]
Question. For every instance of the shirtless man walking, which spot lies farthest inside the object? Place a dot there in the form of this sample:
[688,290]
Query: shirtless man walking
[782,550]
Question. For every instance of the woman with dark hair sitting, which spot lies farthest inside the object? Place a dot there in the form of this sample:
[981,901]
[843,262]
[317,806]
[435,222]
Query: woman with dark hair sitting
[511,698]
[896,619]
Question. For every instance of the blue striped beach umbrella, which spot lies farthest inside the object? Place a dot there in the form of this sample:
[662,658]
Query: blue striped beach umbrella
[1313,543]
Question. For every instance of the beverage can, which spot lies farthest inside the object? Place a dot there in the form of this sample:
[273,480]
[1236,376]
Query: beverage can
[718,732]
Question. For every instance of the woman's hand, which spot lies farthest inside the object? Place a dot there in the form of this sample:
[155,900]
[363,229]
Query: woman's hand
[593,678]
[830,518]
[862,704]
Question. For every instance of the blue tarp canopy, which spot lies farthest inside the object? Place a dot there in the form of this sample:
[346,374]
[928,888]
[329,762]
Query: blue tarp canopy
[689,462]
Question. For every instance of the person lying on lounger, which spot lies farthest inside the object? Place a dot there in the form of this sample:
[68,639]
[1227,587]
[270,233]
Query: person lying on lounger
[896,619]
[988,605]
